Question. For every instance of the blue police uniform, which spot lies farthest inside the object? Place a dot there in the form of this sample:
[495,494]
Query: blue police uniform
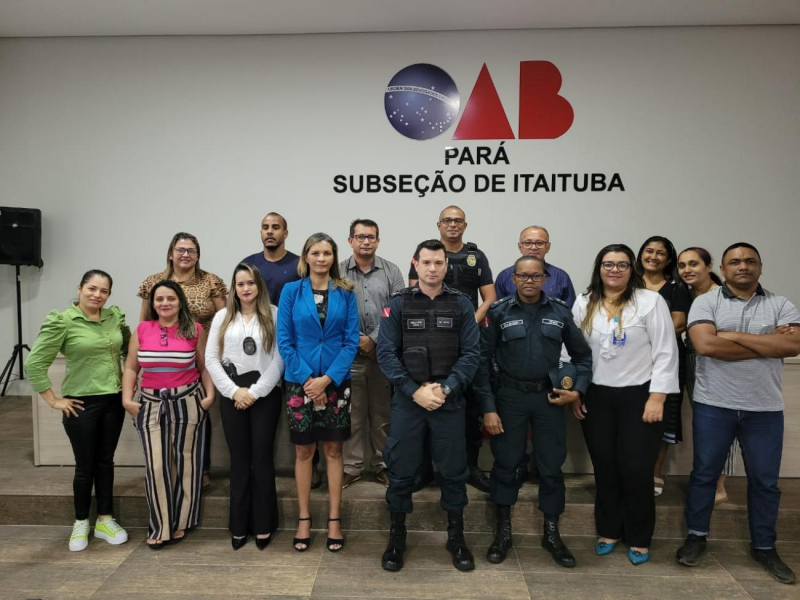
[524,341]
[427,340]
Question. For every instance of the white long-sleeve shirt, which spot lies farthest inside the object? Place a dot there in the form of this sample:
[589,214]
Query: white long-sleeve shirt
[650,351]
[269,364]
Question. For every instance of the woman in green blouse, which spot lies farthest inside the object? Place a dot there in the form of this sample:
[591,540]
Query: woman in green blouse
[94,341]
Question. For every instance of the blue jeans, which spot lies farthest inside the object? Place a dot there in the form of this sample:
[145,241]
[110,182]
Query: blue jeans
[761,438]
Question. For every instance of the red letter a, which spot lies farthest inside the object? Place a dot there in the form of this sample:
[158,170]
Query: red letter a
[484,117]
[543,114]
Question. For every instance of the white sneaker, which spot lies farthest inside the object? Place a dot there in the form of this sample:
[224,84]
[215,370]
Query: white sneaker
[80,536]
[109,530]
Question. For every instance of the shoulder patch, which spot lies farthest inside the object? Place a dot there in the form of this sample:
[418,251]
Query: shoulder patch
[454,291]
[501,301]
[406,290]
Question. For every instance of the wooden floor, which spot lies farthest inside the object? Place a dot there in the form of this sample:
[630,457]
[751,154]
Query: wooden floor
[35,563]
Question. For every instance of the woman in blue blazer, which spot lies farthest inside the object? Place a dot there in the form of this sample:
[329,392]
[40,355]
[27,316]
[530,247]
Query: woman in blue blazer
[318,340]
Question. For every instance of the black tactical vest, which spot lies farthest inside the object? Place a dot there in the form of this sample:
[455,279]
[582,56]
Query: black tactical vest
[464,270]
[430,335]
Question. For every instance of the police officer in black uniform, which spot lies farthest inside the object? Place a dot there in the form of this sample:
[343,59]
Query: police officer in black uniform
[468,272]
[523,338]
[428,348]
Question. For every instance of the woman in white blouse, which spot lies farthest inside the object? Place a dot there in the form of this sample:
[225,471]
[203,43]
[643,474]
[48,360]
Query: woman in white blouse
[635,366]
[242,357]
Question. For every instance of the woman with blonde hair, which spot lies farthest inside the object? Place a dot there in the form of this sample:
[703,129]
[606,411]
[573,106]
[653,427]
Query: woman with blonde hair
[242,357]
[318,340]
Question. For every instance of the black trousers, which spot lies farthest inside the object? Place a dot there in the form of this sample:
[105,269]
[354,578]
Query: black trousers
[411,425]
[250,434]
[516,410]
[623,449]
[94,434]
[473,427]
[473,433]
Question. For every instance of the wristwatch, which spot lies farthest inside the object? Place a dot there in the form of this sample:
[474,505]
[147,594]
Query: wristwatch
[446,390]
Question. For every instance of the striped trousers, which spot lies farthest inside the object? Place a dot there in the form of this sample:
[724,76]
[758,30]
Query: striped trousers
[169,426]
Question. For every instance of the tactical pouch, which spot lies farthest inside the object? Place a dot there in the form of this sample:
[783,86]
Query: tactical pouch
[415,360]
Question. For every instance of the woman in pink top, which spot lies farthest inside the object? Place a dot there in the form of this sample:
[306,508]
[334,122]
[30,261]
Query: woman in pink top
[172,405]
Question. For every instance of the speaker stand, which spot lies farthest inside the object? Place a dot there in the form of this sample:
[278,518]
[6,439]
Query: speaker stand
[5,377]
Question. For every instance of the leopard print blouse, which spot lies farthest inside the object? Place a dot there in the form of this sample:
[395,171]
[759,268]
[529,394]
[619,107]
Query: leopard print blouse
[199,293]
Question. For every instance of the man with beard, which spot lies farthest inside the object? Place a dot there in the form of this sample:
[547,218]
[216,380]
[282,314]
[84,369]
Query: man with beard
[278,267]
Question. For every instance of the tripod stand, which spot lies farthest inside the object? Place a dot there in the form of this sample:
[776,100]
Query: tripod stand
[5,377]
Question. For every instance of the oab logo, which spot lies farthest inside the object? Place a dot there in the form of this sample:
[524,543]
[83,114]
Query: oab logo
[422,102]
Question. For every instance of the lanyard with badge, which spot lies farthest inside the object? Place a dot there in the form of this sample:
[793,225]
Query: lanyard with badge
[619,335]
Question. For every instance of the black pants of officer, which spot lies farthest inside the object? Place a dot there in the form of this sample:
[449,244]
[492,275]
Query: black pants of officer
[473,432]
[411,425]
[473,427]
[516,409]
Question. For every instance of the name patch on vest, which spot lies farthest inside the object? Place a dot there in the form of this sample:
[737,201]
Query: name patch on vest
[510,323]
[415,323]
[444,322]
[552,322]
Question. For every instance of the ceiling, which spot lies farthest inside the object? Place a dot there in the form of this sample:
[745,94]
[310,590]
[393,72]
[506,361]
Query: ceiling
[46,18]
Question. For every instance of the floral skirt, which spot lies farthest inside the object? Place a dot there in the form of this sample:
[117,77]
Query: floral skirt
[309,423]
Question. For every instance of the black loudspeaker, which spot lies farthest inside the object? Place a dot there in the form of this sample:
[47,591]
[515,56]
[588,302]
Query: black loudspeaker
[20,236]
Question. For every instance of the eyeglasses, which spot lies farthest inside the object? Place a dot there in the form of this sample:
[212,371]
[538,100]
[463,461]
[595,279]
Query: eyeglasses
[164,338]
[621,266]
[529,244]
[449,221]
[523,277]
[360,237]
[188,251]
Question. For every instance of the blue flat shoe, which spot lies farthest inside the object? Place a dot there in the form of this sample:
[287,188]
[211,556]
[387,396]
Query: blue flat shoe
[637,558]
[603,548]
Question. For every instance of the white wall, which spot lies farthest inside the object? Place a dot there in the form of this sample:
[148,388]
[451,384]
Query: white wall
[123,141]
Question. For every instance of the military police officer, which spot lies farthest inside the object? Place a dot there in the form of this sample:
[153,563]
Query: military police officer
[468,272]
[428,348]
[523,338]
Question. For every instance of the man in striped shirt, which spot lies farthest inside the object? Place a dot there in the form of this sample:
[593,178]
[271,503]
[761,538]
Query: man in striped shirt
[741,333]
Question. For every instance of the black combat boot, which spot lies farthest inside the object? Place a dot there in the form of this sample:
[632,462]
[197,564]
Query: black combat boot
[551,541]
[456,545]
[392,559]
[502,537]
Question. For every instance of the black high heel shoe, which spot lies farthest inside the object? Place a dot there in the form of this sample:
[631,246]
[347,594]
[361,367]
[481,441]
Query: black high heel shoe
[262,543]
[335,541]
[237,542]
[305,541]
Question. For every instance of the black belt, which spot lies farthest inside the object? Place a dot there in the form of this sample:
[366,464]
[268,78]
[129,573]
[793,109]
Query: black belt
[541,385]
